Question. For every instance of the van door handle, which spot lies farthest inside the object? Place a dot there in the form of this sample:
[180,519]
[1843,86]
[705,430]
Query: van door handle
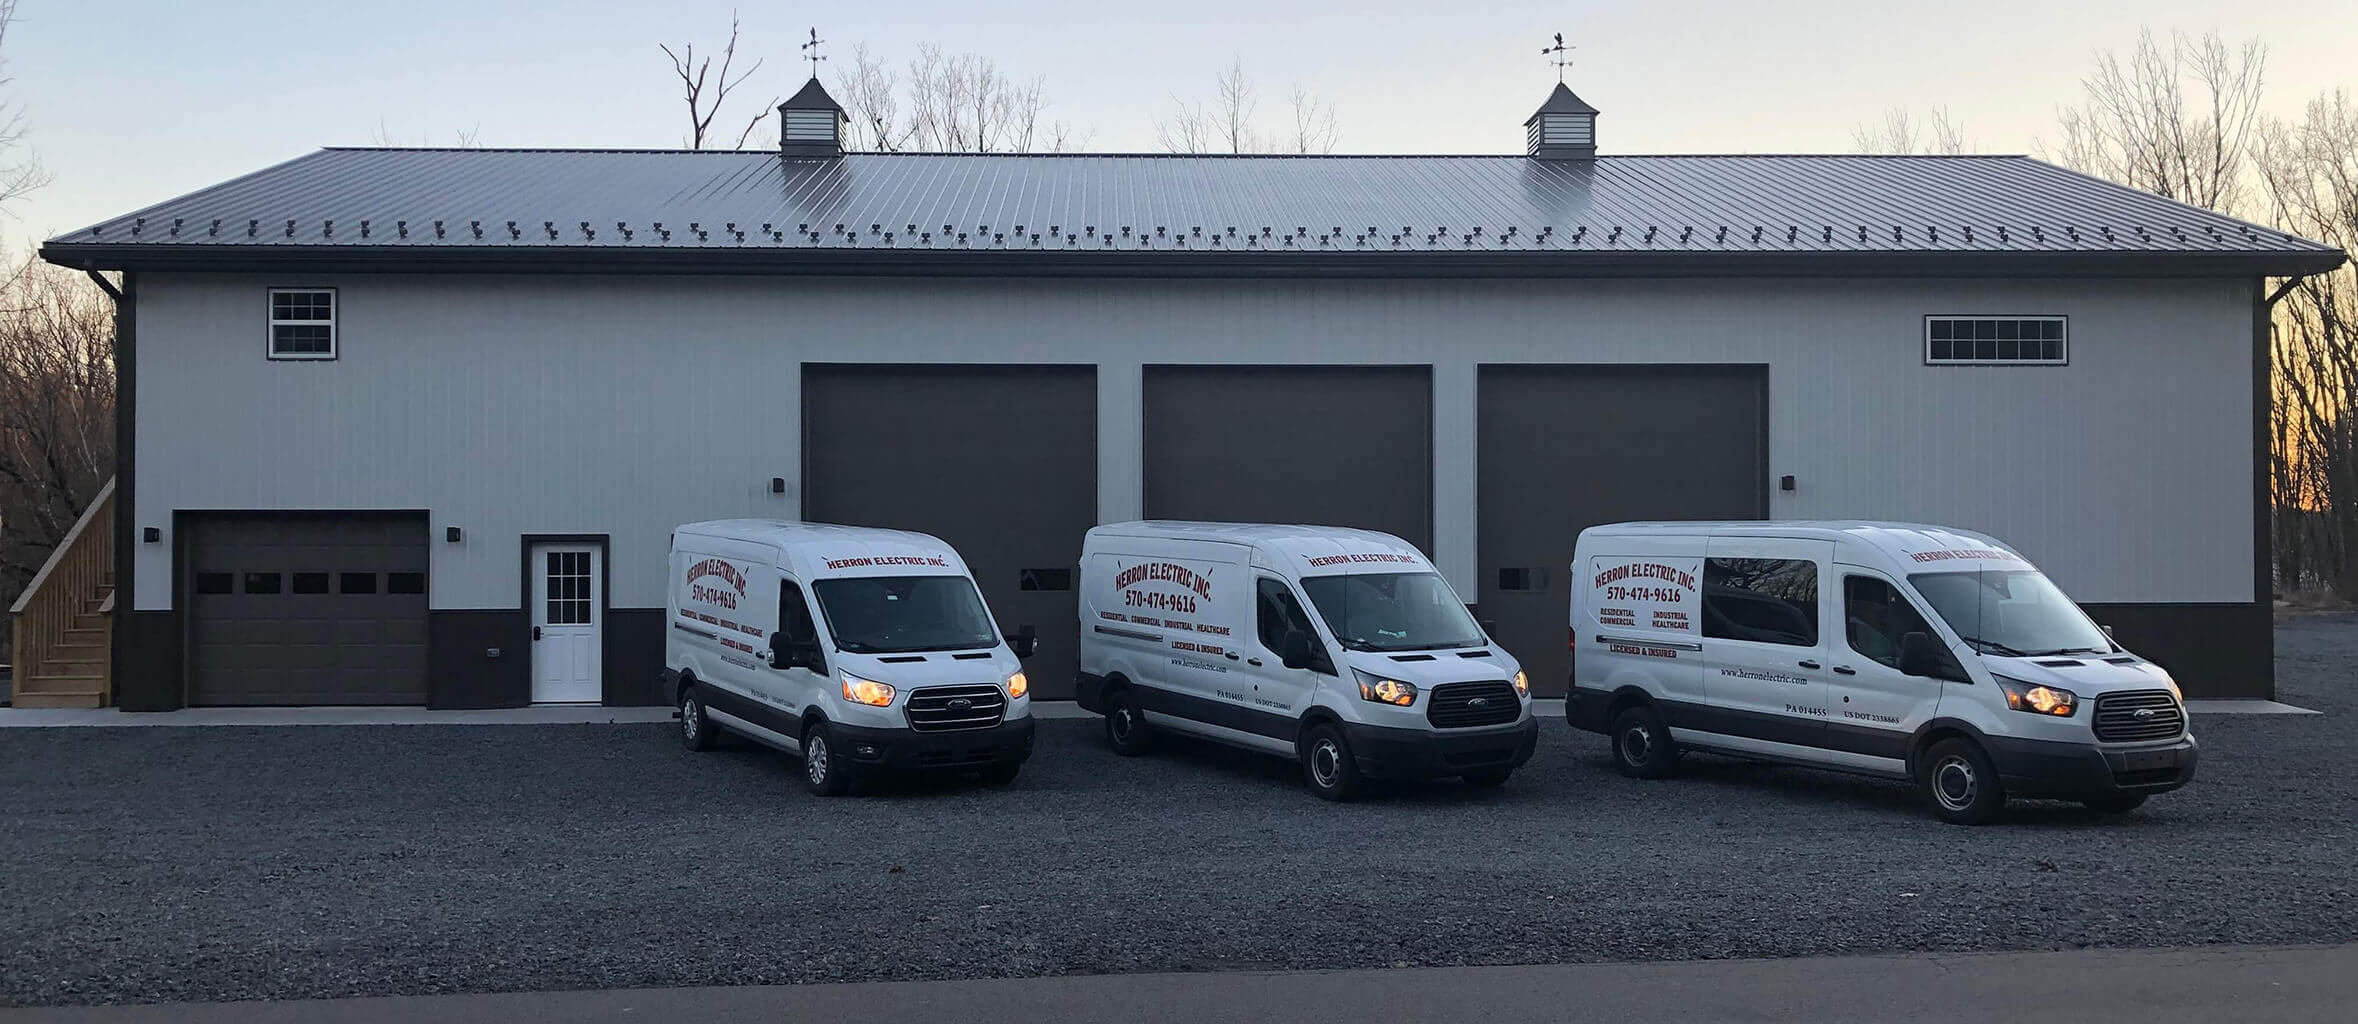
[1254,662]
[1845,670]
[1809,663]
[1232,655]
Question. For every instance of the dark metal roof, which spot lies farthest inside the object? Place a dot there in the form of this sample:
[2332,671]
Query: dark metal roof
[1561,101]
[867,212]
[812,96]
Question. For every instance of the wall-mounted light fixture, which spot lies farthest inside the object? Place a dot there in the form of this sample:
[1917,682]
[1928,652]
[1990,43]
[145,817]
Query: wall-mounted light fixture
[451,534]
[151,535]
[777,485]
[1785,483]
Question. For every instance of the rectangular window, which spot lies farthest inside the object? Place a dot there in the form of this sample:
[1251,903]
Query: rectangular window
[302,323]
[262,583]
[1764,600]
[794,614]
[214,583]
[408,583]
[359,582]
[311,583]
[1278,614]
[1996,341]
[1875,616]
[568,579]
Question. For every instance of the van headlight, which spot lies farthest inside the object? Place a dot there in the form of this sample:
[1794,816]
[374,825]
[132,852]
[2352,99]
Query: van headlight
[1522,683]
[866,691]
[2036,699]
[1017,686]
[1385,691]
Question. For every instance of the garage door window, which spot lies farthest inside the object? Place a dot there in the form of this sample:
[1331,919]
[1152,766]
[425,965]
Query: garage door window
[262,583]
[359,582]
[311,583]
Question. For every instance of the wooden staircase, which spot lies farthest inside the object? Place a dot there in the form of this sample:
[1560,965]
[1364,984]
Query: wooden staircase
[63,625]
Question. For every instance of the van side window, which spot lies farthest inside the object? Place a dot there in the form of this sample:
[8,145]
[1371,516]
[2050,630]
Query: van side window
[1875,617]
[1279,614]
[794,614]
[1764,600]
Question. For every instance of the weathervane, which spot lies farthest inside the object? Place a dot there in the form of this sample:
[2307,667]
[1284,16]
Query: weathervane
[810,51]
[1561,56]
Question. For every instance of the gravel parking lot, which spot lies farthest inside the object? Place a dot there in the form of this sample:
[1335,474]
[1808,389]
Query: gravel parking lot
[229,863]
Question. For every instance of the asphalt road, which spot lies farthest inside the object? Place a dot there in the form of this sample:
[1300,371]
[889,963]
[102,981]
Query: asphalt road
[162,864]
[2084,987]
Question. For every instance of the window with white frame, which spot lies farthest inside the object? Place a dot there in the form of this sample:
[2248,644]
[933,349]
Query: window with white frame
[302,323]
[1996,341]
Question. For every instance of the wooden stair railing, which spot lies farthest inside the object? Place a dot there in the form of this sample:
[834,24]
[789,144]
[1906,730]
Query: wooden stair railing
[63,624]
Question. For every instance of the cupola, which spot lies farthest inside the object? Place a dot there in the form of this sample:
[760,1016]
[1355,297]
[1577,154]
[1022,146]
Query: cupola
[1564,128]
[811,123]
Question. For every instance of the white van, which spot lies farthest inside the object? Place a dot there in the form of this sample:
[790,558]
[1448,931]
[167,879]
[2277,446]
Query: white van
[1341,649]
[1912,652]
[864,651]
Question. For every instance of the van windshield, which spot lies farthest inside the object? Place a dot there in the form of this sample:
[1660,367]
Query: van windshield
[2012,612]
[898,614]
[1399,611]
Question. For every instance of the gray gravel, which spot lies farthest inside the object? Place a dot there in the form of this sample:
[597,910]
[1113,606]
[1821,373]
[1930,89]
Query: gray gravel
[217,863]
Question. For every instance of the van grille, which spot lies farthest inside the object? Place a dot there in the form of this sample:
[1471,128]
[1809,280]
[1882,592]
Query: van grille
[950,708]
[2138,715]
[1466,705]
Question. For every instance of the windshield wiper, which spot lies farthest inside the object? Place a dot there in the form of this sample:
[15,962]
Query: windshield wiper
[1995,647]
[2067,650]
[1356,644]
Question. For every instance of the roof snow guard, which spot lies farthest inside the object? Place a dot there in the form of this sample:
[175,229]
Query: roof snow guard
[887,213]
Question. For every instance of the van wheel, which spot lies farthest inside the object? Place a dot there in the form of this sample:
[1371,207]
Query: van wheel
[1125,727]
[823,772]
[697,732]
[1327,763]
[1488,778]
[1962,784]
[2121,804]
[1642,748]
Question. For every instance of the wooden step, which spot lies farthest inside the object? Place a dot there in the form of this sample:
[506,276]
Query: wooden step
[76,699]
[87,620]
[83,637]
[77,654]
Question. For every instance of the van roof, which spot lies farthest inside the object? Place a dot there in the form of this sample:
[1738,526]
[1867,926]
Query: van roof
[814,550]
[1903,542]
[1326,548]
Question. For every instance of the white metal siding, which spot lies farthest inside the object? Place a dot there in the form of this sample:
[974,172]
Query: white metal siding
[512,405]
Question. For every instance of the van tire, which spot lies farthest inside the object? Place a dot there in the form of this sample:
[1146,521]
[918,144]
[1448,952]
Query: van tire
[1488,778]
[1961,783]
[2121,804]
[1327,764]
[824,772]
[1125,726]
[1642,748]
[698,731]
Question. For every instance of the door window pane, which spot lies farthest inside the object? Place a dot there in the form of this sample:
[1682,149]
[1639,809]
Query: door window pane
[1764,600]
[1279,614]
[794,614]
[568,584]
[1875,617]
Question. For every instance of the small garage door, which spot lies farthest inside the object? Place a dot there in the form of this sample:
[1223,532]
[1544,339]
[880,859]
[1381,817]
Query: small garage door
[1325,445]
[1564,448]
[306,608]
[1000,461]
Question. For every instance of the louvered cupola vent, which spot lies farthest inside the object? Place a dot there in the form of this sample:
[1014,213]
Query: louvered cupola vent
[1564,128]
[811,124]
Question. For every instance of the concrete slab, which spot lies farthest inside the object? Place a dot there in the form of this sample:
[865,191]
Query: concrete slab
[2201,706]
[109,717]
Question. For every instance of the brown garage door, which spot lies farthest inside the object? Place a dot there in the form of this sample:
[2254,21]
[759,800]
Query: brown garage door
[1564,448]
[306,608]
[1000,461]
[1322,445]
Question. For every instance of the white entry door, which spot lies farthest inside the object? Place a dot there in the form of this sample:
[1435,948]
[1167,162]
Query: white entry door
[567,663]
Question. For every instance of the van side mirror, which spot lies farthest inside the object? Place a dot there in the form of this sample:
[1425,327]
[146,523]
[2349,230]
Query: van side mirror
[1298,652]
[1024,643]
[785,654]
[1919,656]
[1489,627]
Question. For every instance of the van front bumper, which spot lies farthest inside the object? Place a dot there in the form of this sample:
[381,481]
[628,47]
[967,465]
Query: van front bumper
[904,750]
[2084,771]
[1584,709]
[1384,753]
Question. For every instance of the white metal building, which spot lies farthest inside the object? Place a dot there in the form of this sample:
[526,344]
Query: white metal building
[412,426]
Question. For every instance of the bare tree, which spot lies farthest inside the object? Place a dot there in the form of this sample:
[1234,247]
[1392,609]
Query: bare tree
[20,170]
[2174,121]
[705,91]
[1899,134]
[57,400]
[947,103]
[1225,123]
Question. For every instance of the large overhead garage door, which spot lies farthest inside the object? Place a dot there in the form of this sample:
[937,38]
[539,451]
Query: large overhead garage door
[306,608]
[1326,445]
[1000,461]
[1564,448]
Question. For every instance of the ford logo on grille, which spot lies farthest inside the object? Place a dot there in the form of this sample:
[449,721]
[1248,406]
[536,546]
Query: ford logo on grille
[2145,712]
[960,704]
[1477,702]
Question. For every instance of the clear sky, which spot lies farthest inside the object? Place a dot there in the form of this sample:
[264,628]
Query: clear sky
[133,101]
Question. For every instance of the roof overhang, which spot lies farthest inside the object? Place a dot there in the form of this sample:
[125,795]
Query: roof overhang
[848,261]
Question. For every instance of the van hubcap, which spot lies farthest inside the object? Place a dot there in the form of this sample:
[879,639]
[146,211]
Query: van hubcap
[1953,783]
[1123,723]
[814,759]
[1637,745]
[691,719]
[1326,762]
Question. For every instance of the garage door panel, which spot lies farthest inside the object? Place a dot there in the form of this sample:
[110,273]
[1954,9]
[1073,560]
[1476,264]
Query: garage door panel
[274,638]
[1327,445]
[999,461]
[1566,447]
